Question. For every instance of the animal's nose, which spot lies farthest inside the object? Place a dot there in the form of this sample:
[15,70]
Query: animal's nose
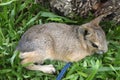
[101,51]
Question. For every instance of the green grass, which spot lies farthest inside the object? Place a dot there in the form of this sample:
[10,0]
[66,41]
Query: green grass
[16,16]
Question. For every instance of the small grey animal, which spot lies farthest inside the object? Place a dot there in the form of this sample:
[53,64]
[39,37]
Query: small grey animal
[57,41]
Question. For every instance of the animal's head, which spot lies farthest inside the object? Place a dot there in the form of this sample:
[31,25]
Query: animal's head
[94,36]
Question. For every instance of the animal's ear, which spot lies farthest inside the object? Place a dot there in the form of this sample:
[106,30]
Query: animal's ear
[97,20]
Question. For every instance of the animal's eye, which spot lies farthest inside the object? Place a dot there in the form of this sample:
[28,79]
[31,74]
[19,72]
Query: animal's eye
[86,32]
[94,45]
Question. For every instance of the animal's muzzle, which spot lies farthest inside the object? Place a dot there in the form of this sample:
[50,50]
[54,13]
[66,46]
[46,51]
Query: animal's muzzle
[100,51]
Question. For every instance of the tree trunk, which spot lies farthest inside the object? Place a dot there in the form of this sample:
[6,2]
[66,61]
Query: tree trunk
[73,8]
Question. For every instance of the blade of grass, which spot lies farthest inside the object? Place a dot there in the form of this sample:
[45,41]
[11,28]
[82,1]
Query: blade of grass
[53,17]
[32,20]
[2,35]
[5,71]
[95,70]
[13,57]
[71,77]
[83,74]
[103,69]
[113,69]
[7,3]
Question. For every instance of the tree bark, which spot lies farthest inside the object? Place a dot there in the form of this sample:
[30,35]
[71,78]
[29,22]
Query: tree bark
[73,8]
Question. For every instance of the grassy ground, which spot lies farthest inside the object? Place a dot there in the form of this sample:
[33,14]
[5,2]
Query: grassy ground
[17,16]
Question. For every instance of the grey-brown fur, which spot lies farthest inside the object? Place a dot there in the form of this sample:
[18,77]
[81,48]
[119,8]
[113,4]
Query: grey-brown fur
[59,41]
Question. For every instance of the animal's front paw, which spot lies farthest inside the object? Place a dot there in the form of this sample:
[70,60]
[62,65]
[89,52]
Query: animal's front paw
[48,69]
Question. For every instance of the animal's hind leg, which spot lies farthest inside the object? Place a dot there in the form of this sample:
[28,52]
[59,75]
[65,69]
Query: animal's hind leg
[34,57]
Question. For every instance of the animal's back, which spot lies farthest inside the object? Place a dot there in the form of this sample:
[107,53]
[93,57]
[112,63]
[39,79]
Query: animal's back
[47,35]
